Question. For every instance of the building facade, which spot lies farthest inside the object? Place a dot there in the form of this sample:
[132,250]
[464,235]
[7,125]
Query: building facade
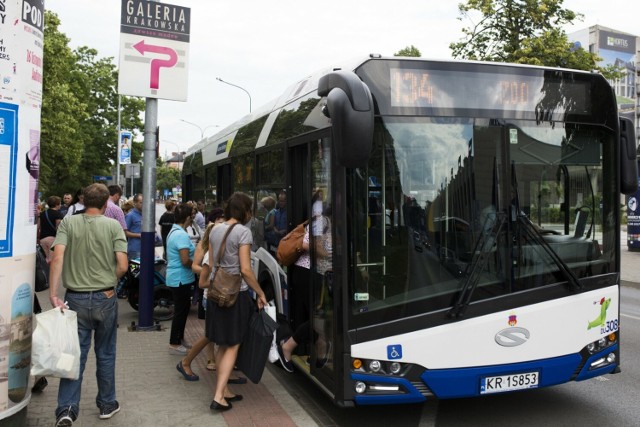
[619,49]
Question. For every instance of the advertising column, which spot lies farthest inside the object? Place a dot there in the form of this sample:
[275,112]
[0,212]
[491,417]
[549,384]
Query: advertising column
[21,42]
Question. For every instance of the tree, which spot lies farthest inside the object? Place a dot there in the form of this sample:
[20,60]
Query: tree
[522,31]
[411,51]
[96,82]
[79,113]
[167,178]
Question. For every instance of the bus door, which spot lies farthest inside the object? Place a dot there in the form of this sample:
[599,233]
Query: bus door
[225,183]
[297,201]
[309,198]
[323,309]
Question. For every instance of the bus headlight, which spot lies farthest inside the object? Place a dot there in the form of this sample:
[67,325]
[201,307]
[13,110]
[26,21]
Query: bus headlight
[374,366]
[395,368]
[360,387]
[602,342]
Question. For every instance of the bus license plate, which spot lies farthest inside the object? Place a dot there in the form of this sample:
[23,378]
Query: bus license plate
[509,382]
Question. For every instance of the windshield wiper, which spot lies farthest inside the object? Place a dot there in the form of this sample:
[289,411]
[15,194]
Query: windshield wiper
[487,240]
[534,234]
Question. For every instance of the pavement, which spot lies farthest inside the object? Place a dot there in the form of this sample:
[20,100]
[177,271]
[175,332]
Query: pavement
[151,392]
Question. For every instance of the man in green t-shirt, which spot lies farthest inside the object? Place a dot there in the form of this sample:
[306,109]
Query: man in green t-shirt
[89,256]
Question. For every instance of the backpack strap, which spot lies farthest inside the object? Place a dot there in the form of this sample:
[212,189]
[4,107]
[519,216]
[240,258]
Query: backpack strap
[46,215]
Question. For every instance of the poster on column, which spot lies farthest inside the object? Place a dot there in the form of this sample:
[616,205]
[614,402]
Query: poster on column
[21,45]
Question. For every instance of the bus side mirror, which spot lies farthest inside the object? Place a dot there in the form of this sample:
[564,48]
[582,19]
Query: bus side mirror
[350,107]
[628,157]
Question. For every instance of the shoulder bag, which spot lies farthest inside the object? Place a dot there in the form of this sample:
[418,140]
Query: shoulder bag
[290,247]
[224,287]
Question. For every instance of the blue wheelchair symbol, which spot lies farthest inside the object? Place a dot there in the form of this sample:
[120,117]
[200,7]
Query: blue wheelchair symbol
[394,352]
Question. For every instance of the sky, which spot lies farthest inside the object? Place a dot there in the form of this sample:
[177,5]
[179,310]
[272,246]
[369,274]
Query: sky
[266,46]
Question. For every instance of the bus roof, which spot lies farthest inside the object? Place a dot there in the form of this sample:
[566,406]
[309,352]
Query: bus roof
[309,84]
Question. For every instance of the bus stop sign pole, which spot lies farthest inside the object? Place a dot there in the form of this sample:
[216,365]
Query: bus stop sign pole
[147,255]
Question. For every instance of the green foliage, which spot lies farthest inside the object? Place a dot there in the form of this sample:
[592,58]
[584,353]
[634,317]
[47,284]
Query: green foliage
[79,114]
[524,32]
[411,51]
[167,178]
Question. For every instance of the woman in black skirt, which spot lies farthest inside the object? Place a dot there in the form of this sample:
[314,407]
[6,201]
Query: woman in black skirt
[227,326]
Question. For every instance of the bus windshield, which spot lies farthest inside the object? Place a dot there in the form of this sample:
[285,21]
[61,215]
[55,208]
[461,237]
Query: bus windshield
[508,206]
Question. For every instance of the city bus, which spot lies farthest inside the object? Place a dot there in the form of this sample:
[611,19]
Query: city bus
[471,223]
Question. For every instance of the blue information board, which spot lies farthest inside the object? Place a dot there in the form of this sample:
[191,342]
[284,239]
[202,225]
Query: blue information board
[8,156]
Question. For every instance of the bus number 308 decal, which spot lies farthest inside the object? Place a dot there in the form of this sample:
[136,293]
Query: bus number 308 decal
[609,326]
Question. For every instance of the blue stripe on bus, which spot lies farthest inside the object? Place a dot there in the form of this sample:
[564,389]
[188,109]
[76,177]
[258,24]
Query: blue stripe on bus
[465,382]
[411,395]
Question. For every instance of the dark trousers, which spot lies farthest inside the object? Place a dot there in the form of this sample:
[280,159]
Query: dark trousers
[182,305]
[301,283]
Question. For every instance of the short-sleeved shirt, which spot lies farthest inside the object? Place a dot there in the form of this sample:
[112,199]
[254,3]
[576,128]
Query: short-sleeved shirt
[114,211]
[280,220]
[133,222]
[91,242]
[199,219]
[48,226]
[240,235]
[177,273]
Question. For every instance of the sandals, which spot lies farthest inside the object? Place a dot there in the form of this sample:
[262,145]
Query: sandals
[211,365]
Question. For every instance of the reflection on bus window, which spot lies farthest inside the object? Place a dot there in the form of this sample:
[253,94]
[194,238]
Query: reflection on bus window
[436,191]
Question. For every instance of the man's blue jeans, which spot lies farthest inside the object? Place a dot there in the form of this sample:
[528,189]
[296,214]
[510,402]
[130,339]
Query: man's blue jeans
[96,313]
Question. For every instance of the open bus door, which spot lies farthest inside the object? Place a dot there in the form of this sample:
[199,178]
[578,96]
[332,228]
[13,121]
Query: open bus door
[310,170]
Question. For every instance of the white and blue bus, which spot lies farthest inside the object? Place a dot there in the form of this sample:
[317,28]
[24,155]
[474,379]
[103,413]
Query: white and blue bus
[473,218]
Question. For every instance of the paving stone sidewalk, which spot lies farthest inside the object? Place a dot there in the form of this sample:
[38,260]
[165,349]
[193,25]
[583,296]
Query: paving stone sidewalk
[151,392]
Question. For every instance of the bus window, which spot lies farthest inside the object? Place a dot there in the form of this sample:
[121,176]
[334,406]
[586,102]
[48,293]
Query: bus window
[436,193]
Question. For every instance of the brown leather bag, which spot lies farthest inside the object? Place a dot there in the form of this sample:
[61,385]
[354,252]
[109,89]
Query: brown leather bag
[224,287]
[290,247]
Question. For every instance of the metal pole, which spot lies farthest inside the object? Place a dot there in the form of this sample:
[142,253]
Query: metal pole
[239,87]
[118,145]
[147,256]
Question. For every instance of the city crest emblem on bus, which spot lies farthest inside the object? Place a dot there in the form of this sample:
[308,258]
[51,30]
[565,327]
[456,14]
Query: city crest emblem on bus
[512,337]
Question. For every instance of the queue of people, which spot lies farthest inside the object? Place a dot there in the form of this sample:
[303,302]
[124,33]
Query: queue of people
[192,240]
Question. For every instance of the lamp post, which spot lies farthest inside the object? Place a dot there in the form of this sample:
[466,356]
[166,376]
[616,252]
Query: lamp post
[202,130]
[241,88]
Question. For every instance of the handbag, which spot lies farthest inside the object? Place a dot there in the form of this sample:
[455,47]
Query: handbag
[55,345]
[254,350]
[42,270]
[224,287]
[290,247]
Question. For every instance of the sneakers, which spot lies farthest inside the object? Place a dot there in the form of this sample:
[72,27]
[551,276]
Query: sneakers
[108,411]
[286,364]
[66,418]
[179,350]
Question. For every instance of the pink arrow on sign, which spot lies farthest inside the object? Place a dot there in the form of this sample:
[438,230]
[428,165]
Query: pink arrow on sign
[156,64]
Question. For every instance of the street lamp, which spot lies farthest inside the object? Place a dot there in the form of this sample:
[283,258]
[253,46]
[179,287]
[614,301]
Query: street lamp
[241,88]
[202,130]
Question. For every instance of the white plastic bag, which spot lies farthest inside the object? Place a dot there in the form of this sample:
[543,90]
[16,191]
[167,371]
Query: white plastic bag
[55,348]
[273,351]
